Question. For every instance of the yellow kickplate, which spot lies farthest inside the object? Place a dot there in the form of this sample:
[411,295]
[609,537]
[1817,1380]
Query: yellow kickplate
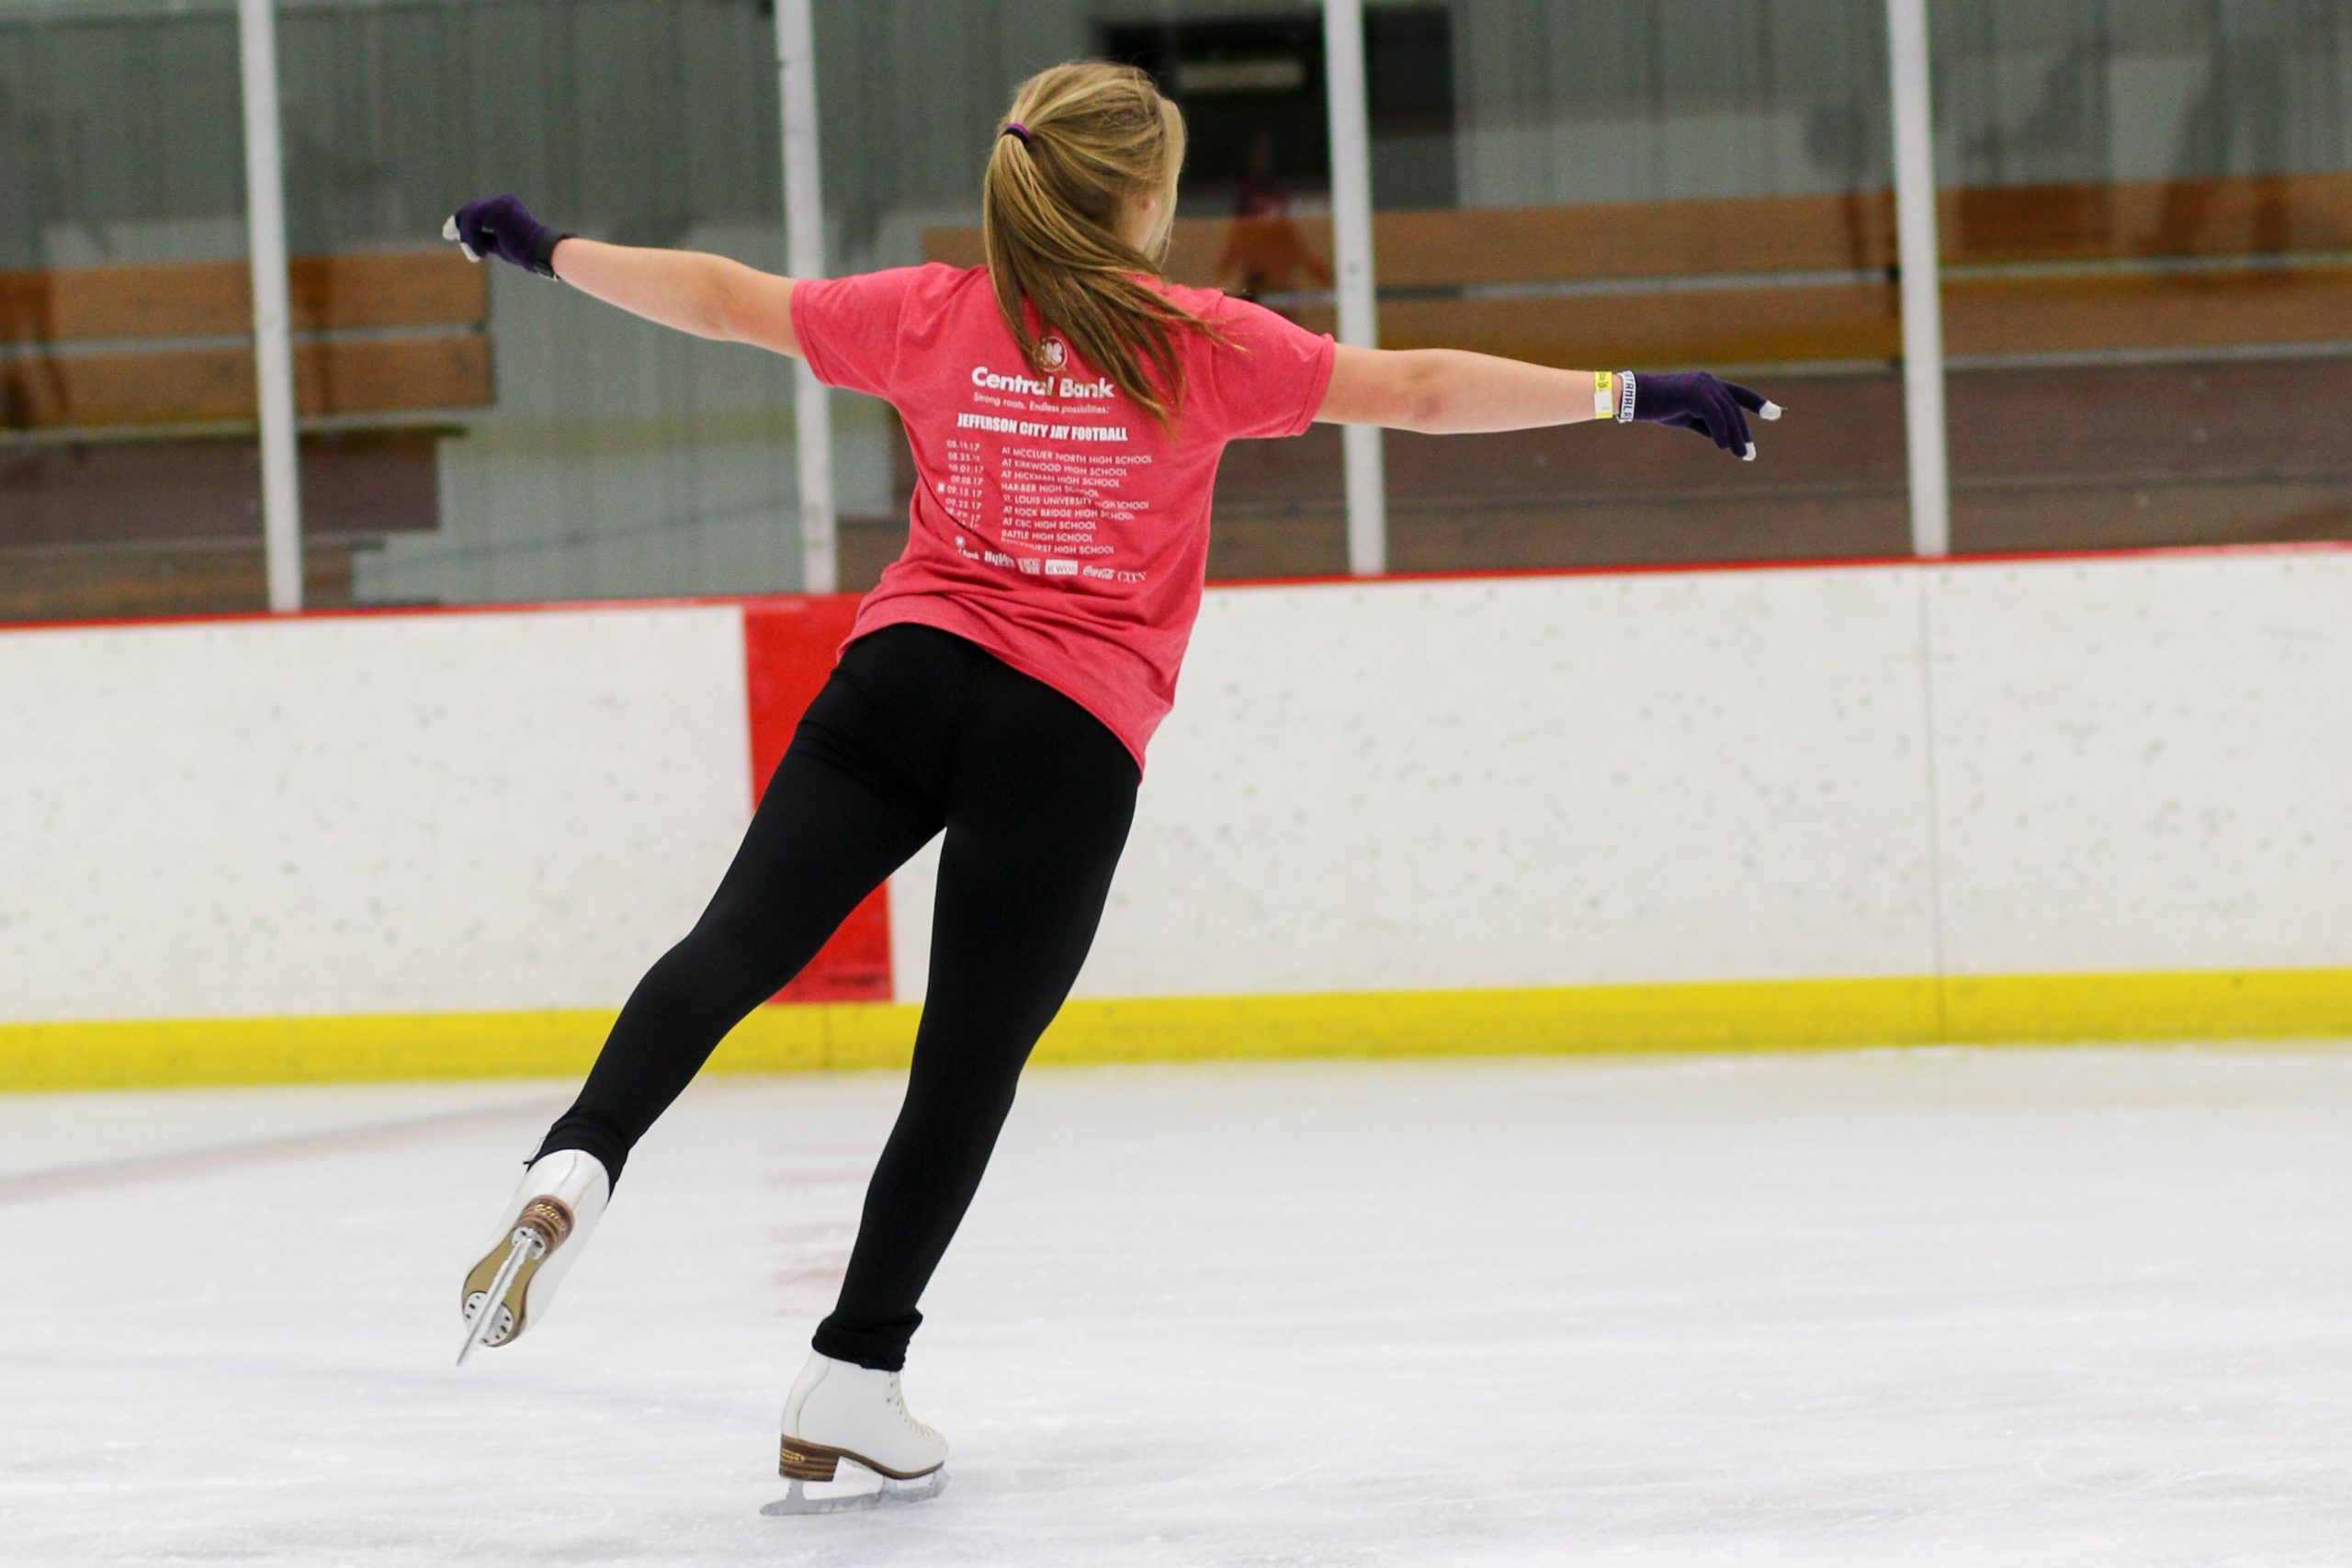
[1770,1015]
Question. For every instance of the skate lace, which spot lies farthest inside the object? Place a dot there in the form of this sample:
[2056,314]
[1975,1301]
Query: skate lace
[899,1404]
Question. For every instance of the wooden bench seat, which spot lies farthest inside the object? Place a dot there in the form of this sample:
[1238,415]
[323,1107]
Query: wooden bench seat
[424,315]
[131,484]
[2245,262]
[1984,317]
[1987,226]
[2095,450]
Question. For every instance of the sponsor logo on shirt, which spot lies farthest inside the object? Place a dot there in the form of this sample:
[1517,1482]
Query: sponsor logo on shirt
[1047,385]
[1061,568]
[1053,354]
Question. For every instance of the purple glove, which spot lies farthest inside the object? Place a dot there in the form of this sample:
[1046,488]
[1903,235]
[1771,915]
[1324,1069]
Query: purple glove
[501,226]
[1692,400]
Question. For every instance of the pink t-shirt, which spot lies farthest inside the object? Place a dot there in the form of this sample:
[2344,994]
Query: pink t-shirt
[1055,522]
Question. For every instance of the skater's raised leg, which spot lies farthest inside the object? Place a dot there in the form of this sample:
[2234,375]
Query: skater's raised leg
[855,795]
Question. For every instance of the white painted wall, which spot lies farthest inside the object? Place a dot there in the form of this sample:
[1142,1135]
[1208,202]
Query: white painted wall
[2136,763]
[377,815]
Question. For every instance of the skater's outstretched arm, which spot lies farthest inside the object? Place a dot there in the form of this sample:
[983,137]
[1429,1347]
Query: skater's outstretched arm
[712,297]
[696,292]
[1447,391]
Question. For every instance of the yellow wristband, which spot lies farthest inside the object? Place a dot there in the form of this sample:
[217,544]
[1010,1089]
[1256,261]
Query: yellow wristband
[1604,395]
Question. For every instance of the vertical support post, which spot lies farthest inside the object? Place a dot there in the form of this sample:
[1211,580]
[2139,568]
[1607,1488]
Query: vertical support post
[1351,261]
[804,245]
[1923,319]
[281,495]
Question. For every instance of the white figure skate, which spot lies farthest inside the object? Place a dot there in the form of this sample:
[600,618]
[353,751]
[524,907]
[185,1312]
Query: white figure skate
[546,1223]
[840,1412]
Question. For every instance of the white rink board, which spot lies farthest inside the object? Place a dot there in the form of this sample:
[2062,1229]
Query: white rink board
[2139,764]
[394,814]
[1526,781]
[2145,764]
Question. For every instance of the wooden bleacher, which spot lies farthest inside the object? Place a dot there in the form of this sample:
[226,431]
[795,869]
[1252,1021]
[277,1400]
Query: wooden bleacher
[128,479]
[2097,449]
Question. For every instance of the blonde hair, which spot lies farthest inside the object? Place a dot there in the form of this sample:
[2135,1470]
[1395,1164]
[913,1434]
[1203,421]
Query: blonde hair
[1084,142]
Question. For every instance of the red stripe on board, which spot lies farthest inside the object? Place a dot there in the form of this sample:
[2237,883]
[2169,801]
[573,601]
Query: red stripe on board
[788,647]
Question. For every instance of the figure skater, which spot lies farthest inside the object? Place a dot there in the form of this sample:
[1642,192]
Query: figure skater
[1066,407]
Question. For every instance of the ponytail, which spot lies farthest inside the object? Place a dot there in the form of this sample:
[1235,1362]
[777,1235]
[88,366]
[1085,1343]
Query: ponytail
[1083,144]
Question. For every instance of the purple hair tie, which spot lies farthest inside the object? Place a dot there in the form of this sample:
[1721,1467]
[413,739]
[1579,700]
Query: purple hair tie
[1015,128]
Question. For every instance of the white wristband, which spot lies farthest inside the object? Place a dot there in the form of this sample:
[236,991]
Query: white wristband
[1625,396]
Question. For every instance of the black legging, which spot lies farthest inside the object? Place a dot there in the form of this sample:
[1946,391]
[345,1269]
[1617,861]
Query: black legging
[915,731]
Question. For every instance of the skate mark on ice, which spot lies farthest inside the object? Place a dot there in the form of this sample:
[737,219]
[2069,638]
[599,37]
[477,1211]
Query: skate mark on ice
[134,1168]
[1365,1432]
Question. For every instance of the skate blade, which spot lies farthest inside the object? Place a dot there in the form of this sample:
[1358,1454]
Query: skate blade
[493,1298]
[494,1292]
[798,1500]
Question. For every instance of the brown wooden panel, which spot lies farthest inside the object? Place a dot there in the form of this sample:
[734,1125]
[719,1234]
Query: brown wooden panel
[392,375]
[1666,239]
[1525,245]
[177,298]
[2256,215]
[2093,313]
[392,289]
[187,386]
[1745,326]
[386,288]
[2268,215]
[2148,310]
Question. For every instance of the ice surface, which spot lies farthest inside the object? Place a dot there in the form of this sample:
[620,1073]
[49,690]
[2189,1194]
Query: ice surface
[2078,1307]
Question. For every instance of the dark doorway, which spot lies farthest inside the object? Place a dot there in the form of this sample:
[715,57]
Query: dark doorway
[1252,89]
